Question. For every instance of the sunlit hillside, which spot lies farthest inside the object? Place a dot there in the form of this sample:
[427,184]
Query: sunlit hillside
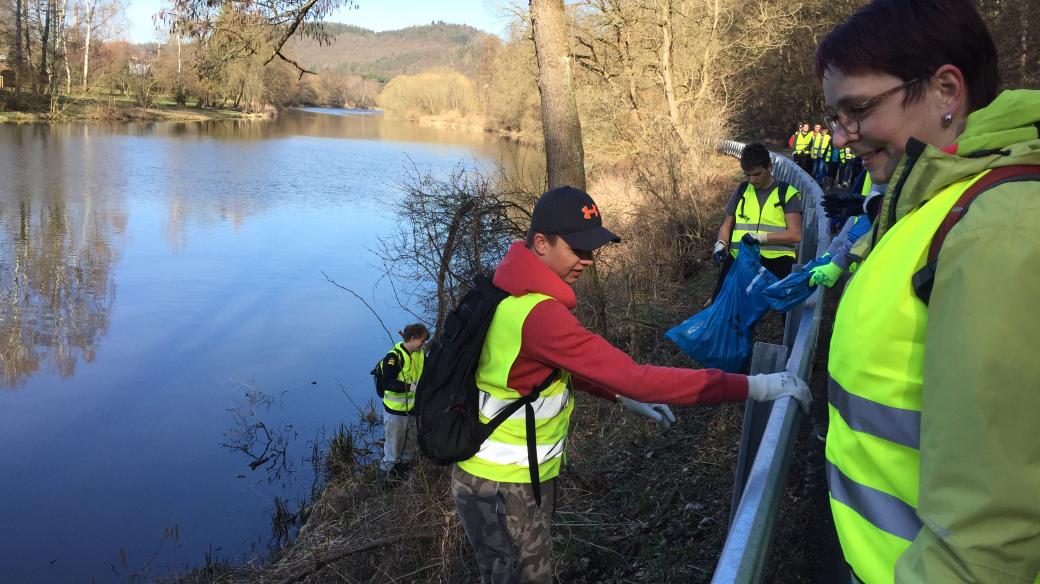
[382,55]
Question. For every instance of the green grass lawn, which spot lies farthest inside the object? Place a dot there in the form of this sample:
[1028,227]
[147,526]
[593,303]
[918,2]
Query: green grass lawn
[103,105]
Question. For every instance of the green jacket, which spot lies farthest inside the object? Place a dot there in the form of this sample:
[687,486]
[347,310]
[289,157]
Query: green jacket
[980,449]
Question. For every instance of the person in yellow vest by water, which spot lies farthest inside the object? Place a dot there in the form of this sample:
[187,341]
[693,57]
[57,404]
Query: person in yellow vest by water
[766,210]
[932,454]
[399,371]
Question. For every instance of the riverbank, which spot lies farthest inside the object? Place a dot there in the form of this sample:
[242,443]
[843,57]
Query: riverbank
[473,124]
[634,504]
[25,108]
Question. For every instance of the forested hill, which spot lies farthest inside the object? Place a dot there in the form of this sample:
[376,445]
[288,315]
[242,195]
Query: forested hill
[382,55]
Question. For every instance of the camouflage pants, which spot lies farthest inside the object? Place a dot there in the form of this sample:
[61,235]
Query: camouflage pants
[509,533]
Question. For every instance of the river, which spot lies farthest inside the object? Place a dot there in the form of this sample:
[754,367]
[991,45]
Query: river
[163,290]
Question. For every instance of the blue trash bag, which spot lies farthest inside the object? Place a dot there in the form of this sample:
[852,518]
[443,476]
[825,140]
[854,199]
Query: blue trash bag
[794,289]
[721,336]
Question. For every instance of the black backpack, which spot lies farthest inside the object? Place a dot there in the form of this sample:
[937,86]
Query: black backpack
[447,397]
[377,371]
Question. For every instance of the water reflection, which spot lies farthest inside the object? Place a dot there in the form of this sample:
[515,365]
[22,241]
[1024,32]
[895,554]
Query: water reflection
[63,208]
[56,259]
[146,272]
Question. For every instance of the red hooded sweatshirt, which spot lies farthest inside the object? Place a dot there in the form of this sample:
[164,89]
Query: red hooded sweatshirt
[554,339]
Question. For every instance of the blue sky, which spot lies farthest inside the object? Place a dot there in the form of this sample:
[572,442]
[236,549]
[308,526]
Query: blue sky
[373,14]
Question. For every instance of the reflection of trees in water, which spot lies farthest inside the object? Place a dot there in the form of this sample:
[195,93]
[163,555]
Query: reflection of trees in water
[206,208]
[56,280]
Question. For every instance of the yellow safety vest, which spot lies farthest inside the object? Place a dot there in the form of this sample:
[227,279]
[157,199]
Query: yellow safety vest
[820,145]
[876,369]
[802,142]
[503,456]
[749,217]
[867,184]
[411,370]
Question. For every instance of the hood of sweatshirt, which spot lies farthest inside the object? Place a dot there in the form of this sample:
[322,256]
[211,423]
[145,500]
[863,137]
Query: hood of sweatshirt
[521,272]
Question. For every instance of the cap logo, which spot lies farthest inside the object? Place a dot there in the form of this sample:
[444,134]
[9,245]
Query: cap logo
[590,211]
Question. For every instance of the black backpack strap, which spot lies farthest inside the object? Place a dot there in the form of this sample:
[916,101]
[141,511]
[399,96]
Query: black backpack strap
[532,446]
[739,211]
[782,195]
[925,277]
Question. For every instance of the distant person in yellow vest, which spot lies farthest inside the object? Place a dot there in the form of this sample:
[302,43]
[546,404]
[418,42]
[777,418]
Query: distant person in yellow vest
[767,210]
[400,370]
[932,454]
[820,148]
[802,143]
[535,340]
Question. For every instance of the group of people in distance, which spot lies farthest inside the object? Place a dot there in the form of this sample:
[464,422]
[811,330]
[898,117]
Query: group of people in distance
[932,459]
[815,152]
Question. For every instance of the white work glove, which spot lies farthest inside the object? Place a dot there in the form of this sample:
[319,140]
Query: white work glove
[770,386]
[659,413]
[718,253]
[760,237]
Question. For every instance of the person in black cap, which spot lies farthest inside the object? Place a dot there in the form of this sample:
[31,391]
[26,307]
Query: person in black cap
[535,341]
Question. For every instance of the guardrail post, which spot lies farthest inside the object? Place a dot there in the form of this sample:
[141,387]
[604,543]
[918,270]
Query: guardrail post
[766,358]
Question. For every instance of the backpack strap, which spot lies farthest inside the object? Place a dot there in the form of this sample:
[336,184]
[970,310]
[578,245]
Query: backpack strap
[739,211]
[782,195]
[529,427]
[925,277]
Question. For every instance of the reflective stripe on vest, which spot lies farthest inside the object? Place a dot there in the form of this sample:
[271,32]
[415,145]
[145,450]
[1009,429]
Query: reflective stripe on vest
[749,217]
[876,367]
[411,370]
[802,142]
[503,456]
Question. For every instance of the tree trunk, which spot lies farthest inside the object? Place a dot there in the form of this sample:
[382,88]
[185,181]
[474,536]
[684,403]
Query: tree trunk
[45,42]
[666,62]
[60,43]
[561,127]
[18,45]
[564,153]
[30,65]
[86,46]
[68,67]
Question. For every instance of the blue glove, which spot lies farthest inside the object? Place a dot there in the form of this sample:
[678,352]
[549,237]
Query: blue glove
[827,274]
[858,229]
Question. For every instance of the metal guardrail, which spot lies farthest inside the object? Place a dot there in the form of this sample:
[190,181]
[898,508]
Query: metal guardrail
[770,429]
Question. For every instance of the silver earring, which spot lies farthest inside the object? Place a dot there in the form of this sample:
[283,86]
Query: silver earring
[947,120]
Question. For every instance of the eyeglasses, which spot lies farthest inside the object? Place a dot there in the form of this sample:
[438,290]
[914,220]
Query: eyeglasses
[848,117]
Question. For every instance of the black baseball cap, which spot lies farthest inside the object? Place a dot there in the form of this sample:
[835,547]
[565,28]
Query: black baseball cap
[572,214]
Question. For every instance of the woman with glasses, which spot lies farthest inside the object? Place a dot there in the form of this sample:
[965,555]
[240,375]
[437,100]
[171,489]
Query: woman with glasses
[933,462]
[397,375]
